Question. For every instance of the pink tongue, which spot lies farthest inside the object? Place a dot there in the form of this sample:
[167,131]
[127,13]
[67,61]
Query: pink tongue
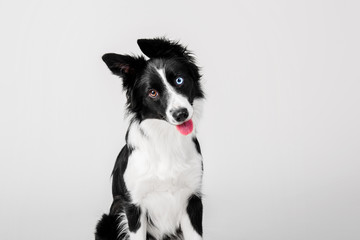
[185,128]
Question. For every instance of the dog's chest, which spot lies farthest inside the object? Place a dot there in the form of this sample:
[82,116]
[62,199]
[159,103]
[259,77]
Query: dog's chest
[155,171]
[161,176]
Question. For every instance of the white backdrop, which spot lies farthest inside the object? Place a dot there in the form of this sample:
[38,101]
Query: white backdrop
[280,133]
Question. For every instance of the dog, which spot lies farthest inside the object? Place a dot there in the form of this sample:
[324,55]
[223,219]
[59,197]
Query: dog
[157,176]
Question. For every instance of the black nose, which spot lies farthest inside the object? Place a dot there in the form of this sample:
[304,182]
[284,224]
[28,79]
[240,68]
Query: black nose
[180,114]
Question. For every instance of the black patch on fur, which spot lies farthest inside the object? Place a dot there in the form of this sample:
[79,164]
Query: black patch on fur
[106,229]
[197,145]
[133,215]
[195,212]
[118,184]
[117,205]
[127,135]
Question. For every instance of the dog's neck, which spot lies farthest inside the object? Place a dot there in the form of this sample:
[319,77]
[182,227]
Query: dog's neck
[160,133]
[153,134]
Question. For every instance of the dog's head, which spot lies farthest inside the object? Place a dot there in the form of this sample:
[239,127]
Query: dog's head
[162,87]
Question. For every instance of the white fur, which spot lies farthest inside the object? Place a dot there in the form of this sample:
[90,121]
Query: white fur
[123,225]
[163,171]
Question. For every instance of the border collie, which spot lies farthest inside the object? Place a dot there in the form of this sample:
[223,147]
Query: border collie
[157,176]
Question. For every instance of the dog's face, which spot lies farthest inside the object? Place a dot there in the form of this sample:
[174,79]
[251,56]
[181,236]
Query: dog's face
[163,87]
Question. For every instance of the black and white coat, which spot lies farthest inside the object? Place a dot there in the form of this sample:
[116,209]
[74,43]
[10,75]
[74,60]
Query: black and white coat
[157,176]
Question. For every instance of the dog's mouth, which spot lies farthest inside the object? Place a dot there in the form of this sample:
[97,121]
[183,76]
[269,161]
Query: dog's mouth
[186,127]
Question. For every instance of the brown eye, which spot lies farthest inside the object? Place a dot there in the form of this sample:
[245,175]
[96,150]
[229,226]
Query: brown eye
[153,93]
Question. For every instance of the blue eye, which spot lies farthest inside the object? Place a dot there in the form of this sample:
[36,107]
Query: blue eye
[179,81]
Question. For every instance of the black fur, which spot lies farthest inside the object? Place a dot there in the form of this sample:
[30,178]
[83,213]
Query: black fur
[195,211]
[197,145]
[133,213]
[118,186]
[106,228]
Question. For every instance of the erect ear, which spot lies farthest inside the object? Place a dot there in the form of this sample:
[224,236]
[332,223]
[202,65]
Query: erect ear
[124,66]
[162,48]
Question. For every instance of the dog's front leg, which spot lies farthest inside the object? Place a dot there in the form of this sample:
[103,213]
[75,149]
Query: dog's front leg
[191,222]
[136,222]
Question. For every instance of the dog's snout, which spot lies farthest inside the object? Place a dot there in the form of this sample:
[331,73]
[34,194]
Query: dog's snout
[180,114]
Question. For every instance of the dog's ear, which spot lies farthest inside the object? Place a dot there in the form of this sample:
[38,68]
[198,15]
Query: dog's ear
[162,48]
[124,66]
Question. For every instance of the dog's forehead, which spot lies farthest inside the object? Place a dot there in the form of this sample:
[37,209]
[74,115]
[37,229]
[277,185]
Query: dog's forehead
[157,63]
[169,65]
[160,73]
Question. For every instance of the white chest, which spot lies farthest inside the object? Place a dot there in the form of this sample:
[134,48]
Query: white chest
[162,175]
[150,173]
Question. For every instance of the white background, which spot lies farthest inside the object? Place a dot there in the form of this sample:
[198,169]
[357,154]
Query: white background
[280,132]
